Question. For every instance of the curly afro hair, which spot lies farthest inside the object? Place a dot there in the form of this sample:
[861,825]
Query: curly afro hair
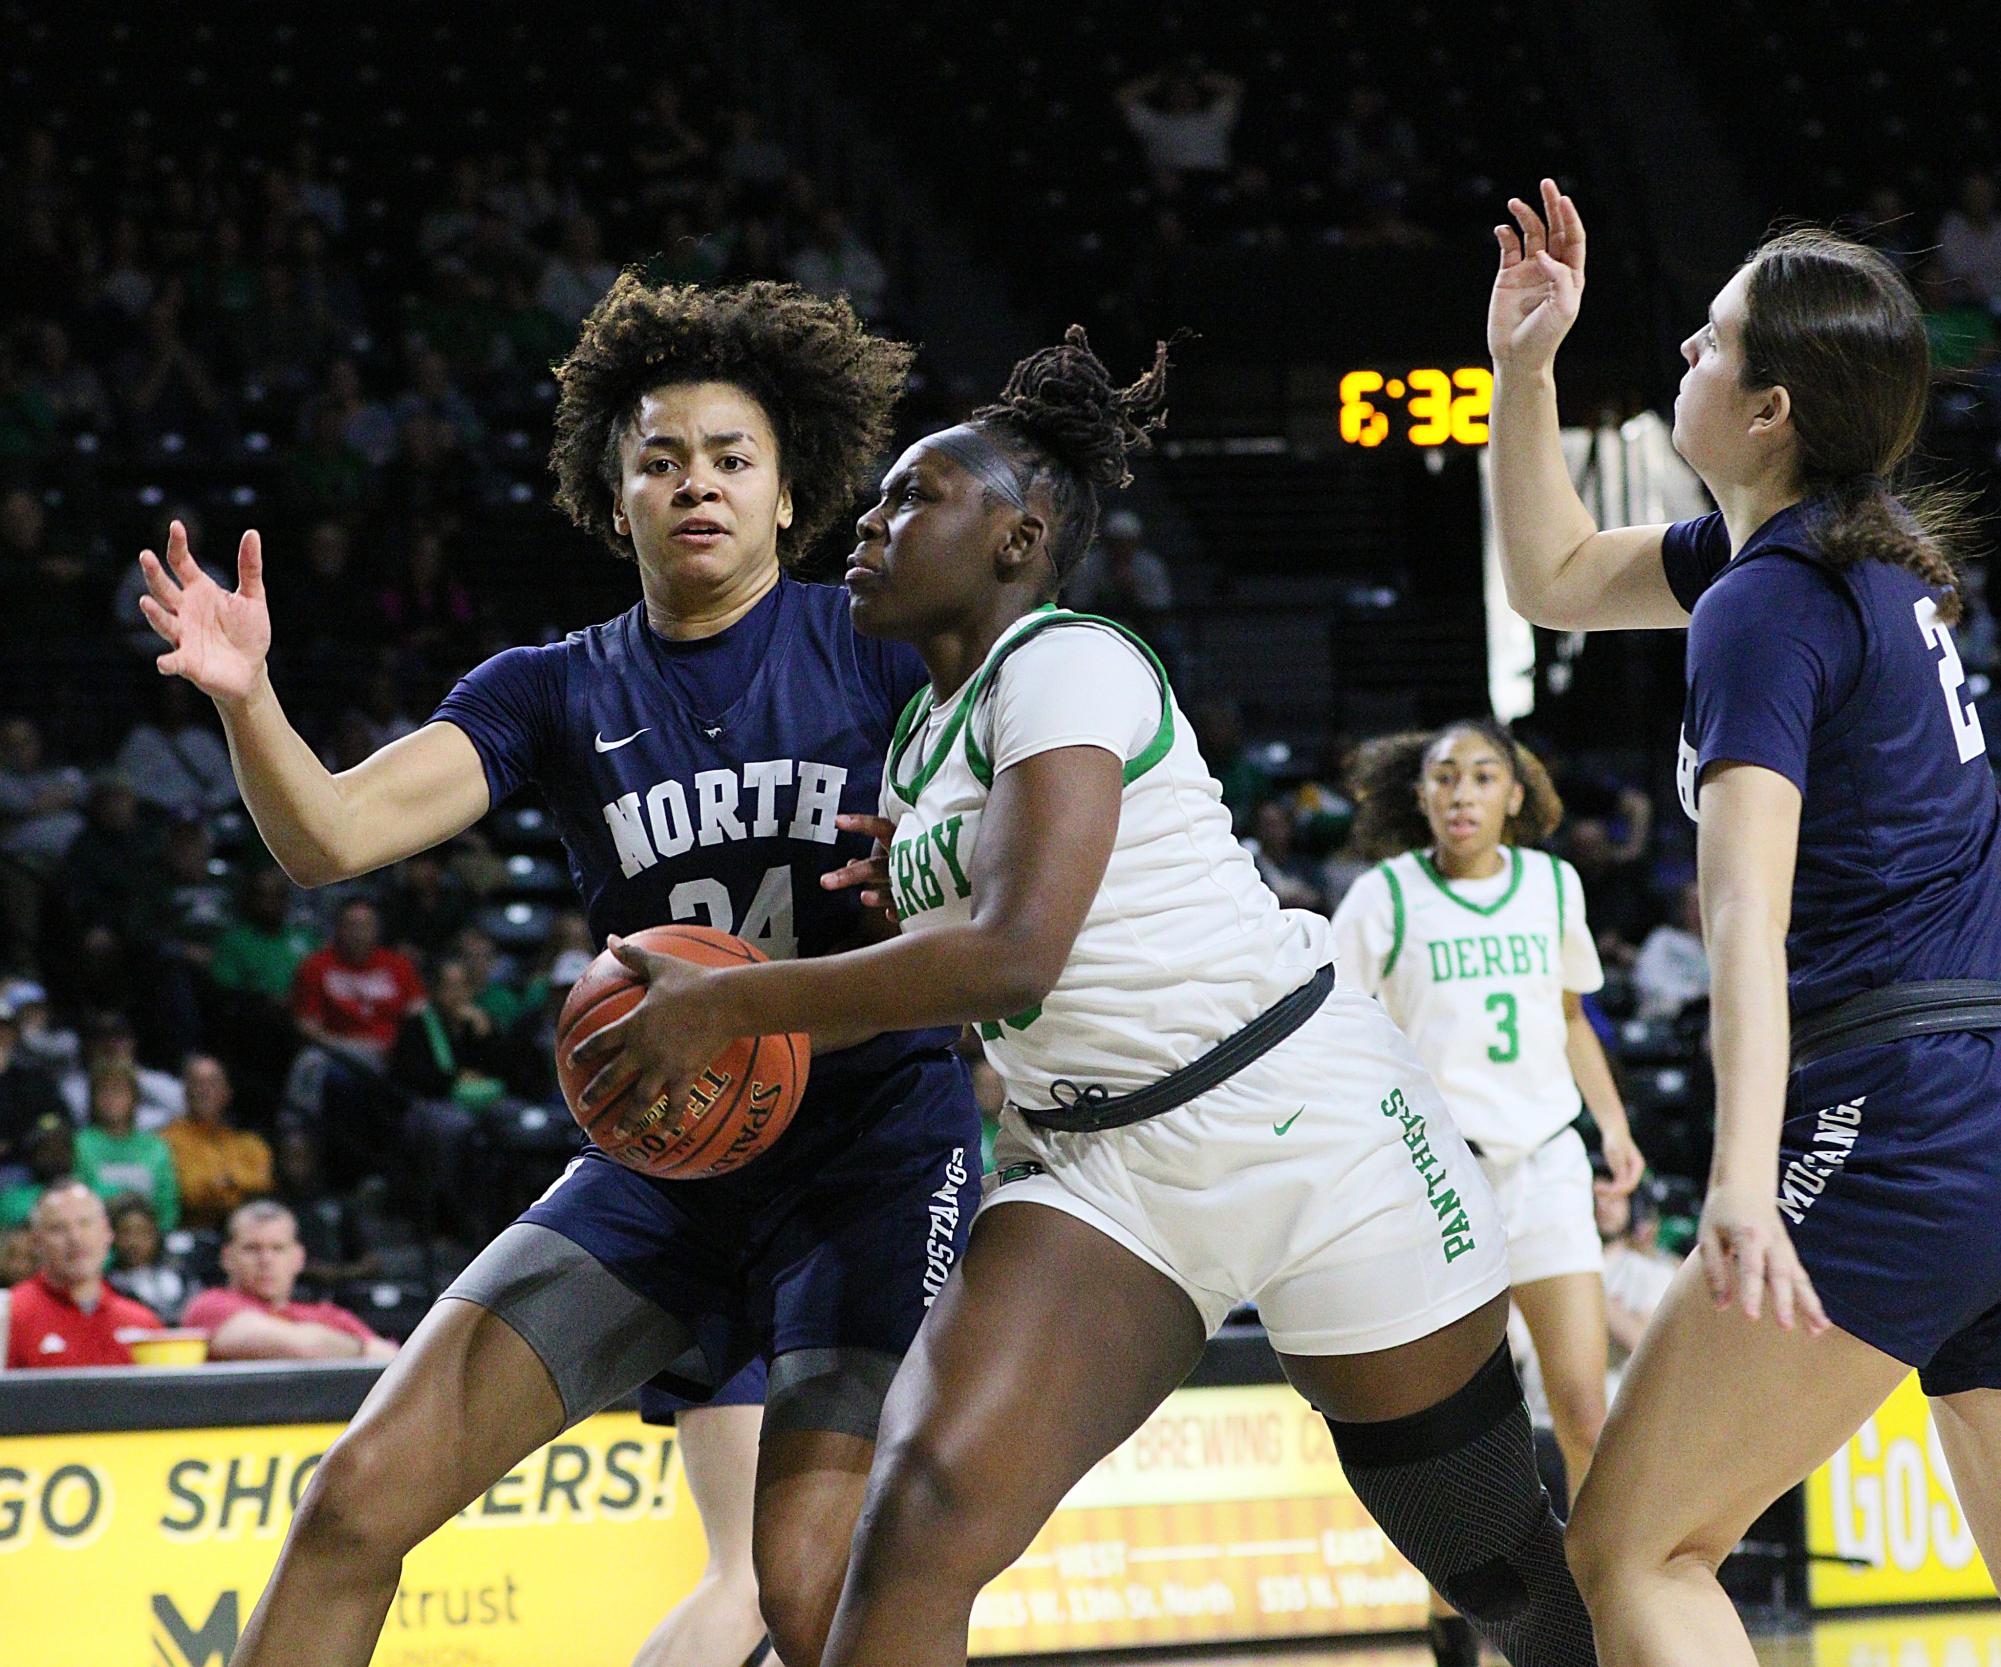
[1386,774]
[827,386]
[1062,421]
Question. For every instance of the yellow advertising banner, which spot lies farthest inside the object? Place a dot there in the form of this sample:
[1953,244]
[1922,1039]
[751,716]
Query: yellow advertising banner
[1225,1517]
[1885,1506]
[153,1547]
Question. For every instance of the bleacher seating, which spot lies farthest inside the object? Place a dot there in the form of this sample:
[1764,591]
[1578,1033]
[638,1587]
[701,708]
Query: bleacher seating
[1776,72]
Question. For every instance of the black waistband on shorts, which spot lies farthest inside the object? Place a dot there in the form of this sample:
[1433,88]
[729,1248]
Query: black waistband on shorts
[1092,1106]
[1930,1007]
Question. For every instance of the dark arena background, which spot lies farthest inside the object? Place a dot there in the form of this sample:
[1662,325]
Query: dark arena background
[307,269]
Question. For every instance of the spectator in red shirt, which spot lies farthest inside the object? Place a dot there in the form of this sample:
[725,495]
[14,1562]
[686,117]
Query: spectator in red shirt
[254,1316]
[66,1315]
[350,996]
[350,999]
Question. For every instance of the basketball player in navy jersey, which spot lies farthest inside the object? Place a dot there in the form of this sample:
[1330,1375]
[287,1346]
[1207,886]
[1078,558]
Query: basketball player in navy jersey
[695,753]
[1849,848]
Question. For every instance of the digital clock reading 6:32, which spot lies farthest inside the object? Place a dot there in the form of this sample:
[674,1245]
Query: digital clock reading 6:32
[1445,407]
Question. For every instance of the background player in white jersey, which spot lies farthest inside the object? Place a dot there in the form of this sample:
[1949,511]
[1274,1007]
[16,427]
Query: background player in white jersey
[1481,952]
[1196,1116]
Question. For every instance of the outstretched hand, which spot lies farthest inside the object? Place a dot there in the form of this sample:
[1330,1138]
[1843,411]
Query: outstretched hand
[1540,285]
[217,639]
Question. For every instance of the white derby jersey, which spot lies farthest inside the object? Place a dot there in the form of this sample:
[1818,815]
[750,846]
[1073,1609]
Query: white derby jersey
[1183,946]
[1474,971]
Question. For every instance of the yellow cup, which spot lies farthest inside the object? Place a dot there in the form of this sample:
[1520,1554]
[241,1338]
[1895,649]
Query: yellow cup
[182,1347]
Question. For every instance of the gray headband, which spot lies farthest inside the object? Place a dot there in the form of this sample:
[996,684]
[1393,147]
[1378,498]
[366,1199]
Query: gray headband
[974,452]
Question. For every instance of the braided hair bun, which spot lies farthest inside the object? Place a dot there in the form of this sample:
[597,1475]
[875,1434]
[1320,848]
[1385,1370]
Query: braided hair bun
[1062,399]
[1064,422]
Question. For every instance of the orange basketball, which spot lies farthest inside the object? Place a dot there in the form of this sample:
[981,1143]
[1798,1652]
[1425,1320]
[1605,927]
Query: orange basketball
[744,1101]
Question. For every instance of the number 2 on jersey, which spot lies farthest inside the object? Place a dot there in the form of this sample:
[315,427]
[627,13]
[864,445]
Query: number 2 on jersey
[1509,1048]
[1951,678]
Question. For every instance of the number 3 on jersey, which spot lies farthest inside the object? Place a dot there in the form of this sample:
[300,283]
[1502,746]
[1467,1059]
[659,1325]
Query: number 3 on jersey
[1951,678]
[767,923]
[1508,1021]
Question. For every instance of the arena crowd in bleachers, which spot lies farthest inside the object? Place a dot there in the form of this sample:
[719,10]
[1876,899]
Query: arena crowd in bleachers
[337,325]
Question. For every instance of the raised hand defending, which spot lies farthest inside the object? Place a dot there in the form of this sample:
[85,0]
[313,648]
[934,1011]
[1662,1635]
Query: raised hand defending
[217,639]
[870,873]
[1540,285]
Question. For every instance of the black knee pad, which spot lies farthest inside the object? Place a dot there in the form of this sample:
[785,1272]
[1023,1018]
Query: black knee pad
[1455,1488]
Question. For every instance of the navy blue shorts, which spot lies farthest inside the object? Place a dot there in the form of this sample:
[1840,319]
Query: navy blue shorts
[839,1237]
[746,1389]
[1890,1184]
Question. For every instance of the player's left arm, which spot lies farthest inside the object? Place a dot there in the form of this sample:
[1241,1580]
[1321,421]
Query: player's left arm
[1747,843]
[1601,1097]
[1784,656]
[1045,840]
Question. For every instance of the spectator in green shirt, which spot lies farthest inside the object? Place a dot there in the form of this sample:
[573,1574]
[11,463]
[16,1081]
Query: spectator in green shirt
[248,1003]
[260,954]
[114,1156]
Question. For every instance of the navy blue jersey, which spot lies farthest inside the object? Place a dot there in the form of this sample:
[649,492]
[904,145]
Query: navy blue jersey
[1844,681]
[698,781]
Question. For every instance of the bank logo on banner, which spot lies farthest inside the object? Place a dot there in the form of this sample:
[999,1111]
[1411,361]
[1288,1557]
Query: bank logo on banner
[176,1643]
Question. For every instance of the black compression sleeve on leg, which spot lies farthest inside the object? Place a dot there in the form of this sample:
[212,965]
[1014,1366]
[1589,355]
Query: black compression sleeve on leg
[1455,1489]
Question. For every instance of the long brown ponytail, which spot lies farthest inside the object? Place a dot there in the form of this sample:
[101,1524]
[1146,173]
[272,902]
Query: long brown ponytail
[1833,323]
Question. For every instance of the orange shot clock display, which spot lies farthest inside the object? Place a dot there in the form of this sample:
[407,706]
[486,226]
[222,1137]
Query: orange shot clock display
[1425,406]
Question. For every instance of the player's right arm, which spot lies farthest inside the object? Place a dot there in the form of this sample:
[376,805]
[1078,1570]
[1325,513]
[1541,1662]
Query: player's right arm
[415,793]
[1560,569]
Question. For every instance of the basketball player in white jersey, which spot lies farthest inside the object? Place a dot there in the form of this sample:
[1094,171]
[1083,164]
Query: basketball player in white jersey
[1480,950]
[1196,1116]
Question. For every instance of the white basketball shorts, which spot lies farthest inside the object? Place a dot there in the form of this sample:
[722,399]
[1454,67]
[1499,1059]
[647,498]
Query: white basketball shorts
[1325,1182]
[1547,1207]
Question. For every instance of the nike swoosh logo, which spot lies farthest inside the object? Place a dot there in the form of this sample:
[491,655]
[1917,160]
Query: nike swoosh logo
[1280,1128]
[612,746]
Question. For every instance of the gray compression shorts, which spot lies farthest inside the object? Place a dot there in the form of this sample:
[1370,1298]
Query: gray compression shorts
[600,1339]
